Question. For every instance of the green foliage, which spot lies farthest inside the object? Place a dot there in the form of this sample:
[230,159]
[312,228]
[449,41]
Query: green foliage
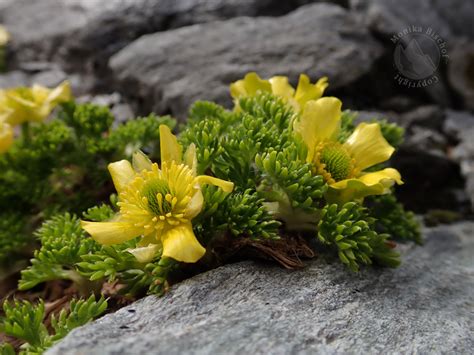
[393,219]
[392,132]
[350,230]
[7,349]
[244,215]
[80,312]
[141,133]
[87,120]
[262,125]
[61,165]
[293,193]
[25,321]
[289,180]
[114,262]
[202,110]
[205,135]
[347,125]
[13,239]
[3,62]
[99,213]
[63,242]
[227,143]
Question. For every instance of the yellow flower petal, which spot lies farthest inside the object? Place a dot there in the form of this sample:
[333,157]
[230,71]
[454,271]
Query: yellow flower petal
[140,161]
[385,176]
[368,146]
[61,93]
[320,120]
[6,137]
[281,87]
[249,86]
[169,146]
[306,91]
[4,36]
[190,158]
[194,206]
[108,233]
[15,95]
[181,244]
[47,99]
[376,183]
[226,186]
[23,104]
[122,173]
[145,254]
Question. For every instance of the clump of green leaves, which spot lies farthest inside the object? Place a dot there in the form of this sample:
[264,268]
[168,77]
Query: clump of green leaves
[68,253]
[63,243]
[393,219]
[58,169]
[61,165]
[350,230]
[115,263]
[26,321]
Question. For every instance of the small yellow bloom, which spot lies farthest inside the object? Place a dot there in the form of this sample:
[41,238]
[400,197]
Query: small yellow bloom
[6,137]
[343,165]
[251,84]
[157,203]
[4,36]
[24,104]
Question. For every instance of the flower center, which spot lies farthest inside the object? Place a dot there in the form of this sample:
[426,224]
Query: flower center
[155,192]
[334,162]
[158,197]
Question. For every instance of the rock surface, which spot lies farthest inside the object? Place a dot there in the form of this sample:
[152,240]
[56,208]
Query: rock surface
[464,154]
[388,17]
[38,35]
[167,71]
[460,71]
[425,306]
[82,34]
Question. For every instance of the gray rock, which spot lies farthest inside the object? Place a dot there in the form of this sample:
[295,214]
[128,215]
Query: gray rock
[399,103]
[48,76]
[460,71]
[82,34]
[5,3]
[430,116]
[425,306]
[114,101]
[450,19]
[39,29]
[457,122]
[167,71]
[458,14]
[433,180]
[126,22]
[464,154]
[388,17]
[13,79]
[426,139]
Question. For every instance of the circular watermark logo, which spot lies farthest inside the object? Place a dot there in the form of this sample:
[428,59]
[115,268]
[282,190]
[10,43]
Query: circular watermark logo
[417,56]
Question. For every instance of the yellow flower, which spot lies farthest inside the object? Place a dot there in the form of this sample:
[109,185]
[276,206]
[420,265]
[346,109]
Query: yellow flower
[251,84]
[24,104]
[6,137]
[157,203]
[343,165]
[4,36]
